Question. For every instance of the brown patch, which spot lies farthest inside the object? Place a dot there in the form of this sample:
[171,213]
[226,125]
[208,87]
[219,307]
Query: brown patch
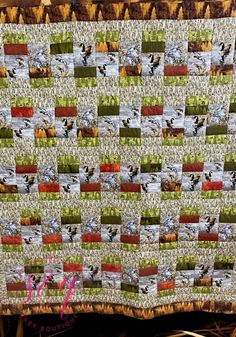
[226,69]
[168,132]
[201,282]
[199,46]
[168,238]
[40,72]
[152,110]
[130,71]
[171,187]
[87,133]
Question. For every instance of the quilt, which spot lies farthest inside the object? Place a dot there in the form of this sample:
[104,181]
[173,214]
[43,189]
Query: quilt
[118,156]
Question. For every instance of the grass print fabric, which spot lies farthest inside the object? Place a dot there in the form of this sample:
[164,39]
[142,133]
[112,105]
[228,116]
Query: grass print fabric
[118,157]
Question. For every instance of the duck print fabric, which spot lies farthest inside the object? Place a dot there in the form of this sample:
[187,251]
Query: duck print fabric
[118,156]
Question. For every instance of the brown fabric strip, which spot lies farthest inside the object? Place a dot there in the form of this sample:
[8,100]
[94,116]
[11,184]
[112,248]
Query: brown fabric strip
[30,12]
[104,308]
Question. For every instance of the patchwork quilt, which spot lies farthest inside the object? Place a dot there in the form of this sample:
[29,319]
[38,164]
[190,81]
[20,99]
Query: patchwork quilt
[118,156]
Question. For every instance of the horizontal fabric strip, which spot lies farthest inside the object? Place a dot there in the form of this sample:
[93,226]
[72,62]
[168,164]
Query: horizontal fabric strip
[28,12]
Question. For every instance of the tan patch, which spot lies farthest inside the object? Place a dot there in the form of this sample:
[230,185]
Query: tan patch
[46,2]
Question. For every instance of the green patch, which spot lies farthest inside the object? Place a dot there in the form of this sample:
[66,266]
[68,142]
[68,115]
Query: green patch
[55,292]
[111,260]
[185,263]
[9,197]
[3,83]
[34,269]
[91,245]
[111,110]
[22,102]
[145,263]
[49,196]
[6,143]
[202,100]
[175,80]
[132,196]
[173,141]
[107,36]
[211,194]
[230,157]
[90,196]
[45,142]
[129,247]
[216,130]
[86,82]
[200,35]
[16,294]
[153,47]
[41,82]
[109,159]
[130,81]
[73,259]
[230,166]
[208,244]
[130,141]
[84,142]
[6,134]
[129,287]
[52,246]
[92,284]
[202,290]
[220,80]
[167,292]
[150,168]
[196,110]
[33,262]
[189,211]
[110,212]
[73,168]
[14,38]
[233,98]
[70,219]
[130,132]
[61,48]
[65,102]
[92,292]
[85,72]
[70,212]
[30,213]
[25,160]
[148,221]
[67,160]
[193,158]
[150,159]
[153,35]
[228,215]
[108,100]
[65,37]
[224,262]
[12,248]
[152,100]
[216,139]
[168,245]
[151,212]
[170,195]
[232,107]
[130,295]
[111,220]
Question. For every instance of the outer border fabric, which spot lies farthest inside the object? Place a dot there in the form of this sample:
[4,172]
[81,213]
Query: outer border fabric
[46,11]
